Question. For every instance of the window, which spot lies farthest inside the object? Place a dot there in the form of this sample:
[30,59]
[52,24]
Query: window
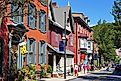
[42,21]
[16,14]
[89,45]
[56,37]
[42,52]
[43,2]
[31,17]
[31,48]
[71,40]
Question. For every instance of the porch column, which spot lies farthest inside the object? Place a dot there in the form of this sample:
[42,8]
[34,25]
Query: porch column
[54,64]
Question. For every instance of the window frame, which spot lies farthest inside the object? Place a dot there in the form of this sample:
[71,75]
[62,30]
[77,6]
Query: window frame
[32,14]
[42,28]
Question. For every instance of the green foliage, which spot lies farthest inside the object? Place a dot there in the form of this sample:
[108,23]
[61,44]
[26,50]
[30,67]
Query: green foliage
[116,11]
[26,73]
[49,69]
[108,39]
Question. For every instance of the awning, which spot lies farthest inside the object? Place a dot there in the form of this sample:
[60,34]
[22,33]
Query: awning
[68,52]
[51,47]
[56,49]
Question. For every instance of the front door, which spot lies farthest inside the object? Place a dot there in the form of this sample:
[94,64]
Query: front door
[1,56]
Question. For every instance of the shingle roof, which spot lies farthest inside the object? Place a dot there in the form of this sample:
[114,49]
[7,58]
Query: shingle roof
[59,17]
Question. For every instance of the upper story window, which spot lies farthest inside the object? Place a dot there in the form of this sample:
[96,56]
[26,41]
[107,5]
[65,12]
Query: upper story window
[56,37]
[16,13]
[31,17]
[71,40]
[83,43]
[43,2]
[42,21]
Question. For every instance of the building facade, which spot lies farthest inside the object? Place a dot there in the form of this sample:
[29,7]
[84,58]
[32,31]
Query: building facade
[55,38]
[82,39]
[26,30]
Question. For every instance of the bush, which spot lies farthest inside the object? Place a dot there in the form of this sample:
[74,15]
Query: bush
[49,69]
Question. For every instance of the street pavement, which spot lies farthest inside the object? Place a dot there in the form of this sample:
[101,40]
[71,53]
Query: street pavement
[102,75]
[81,77]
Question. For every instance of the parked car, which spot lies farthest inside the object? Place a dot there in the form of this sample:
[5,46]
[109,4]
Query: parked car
[118,67]
[117,70]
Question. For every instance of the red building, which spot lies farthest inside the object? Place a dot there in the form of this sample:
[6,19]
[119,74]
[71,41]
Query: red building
[24,29]
[55,36]
[83,34]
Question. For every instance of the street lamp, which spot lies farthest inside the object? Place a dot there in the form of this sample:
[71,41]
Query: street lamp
[64,40]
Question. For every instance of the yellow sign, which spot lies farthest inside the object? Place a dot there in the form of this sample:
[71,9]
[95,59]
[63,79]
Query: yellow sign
[23,49]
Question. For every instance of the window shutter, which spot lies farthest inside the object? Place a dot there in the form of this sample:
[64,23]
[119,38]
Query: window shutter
[44,53]
[28,49]
[44,22]
[40,51]
[18,58]
[41,21]
[34,52]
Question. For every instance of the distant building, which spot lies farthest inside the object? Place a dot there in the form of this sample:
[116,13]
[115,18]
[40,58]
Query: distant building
[83,39]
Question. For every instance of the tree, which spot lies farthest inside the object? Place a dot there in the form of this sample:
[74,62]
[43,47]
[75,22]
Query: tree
[116,12]
[104,34]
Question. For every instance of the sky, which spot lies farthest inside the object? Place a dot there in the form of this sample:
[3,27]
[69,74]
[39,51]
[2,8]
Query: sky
[94,9]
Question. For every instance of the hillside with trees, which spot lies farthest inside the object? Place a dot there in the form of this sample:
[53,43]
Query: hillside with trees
[108,35]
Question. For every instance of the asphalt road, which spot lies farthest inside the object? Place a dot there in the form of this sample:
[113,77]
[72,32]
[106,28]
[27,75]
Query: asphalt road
[99,76]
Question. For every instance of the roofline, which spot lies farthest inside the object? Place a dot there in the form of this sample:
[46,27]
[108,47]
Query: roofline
[82,22]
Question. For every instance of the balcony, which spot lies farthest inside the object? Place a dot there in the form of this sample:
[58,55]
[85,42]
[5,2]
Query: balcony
[43,2]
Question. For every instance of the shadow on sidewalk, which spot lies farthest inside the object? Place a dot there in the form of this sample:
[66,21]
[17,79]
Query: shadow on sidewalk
[101,73]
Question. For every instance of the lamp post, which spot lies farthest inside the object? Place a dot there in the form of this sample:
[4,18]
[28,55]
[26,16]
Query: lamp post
[64,45]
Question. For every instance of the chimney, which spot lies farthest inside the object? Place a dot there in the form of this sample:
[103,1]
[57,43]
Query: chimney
[54,4]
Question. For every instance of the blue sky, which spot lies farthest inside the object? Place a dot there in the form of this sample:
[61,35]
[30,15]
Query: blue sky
[94,9]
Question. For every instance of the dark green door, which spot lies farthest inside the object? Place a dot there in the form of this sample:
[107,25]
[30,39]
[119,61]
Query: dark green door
[1,55]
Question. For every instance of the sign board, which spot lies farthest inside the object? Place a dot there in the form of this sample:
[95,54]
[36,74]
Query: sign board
[61,46]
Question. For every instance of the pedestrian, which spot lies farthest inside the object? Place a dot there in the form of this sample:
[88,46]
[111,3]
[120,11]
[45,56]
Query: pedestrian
[88,67]
[76,70]
[84,68]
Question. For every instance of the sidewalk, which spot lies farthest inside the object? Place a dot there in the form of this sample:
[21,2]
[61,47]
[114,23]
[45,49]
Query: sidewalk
[62,78]
[68,77]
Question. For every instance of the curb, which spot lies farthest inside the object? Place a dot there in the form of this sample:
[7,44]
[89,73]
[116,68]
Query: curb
[71,79]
